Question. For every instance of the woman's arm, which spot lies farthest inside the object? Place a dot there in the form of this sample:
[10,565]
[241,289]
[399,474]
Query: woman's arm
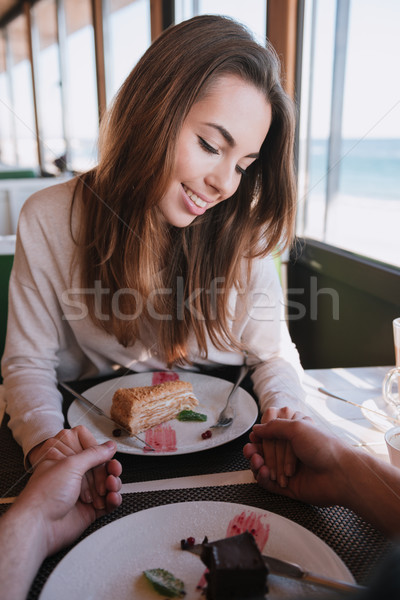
[35,328]
[41,345]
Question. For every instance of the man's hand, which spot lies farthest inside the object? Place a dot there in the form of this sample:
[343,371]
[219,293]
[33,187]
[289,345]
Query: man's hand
[320,473]
[48,514]
[52,494]
[278,455]
[68,442]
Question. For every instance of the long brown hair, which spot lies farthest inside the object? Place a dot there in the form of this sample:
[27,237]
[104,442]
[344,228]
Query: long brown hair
[123,242]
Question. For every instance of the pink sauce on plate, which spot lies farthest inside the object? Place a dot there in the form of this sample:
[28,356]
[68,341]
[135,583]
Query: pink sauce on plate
[162,438]
[163,376]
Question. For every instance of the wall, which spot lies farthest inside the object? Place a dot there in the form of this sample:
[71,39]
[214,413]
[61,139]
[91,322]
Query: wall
[341,307]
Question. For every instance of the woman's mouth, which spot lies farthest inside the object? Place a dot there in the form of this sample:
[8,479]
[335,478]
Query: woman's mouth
[195,199]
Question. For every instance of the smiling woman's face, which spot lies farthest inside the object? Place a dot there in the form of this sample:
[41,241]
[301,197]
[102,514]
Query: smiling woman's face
[221,137]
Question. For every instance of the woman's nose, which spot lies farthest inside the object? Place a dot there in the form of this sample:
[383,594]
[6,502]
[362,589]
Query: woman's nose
[224,178]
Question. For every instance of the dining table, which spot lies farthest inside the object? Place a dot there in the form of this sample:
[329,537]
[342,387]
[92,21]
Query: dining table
[222,474]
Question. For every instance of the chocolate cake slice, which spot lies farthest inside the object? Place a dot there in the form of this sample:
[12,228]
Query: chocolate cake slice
[236,568]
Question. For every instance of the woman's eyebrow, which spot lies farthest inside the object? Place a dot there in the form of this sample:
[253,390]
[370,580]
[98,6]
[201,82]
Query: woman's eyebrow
[224,132]
[228,137]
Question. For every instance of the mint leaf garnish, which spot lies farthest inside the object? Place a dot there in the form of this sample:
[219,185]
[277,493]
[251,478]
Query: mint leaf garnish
[165,583]
[191,415]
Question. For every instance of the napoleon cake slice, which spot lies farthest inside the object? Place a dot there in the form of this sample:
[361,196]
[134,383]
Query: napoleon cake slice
[141,408]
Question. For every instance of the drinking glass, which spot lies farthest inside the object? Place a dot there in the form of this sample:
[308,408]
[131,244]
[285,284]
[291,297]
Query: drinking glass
[392,379]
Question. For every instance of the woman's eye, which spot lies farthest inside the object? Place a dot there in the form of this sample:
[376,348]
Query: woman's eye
[206,146]
[211,150]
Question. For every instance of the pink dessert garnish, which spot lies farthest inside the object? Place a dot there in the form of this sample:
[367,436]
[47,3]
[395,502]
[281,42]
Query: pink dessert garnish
[163,376]
[162,438]
[250,522]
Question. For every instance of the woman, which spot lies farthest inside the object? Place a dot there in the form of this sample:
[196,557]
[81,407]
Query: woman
[161,255]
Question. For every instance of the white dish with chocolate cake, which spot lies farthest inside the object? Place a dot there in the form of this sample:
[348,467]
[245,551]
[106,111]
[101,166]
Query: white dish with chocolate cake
[150,539]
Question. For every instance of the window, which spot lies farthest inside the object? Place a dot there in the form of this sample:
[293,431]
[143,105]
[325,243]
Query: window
[350,130]
[252,14]
[48,84]
[127,35]
[21,93]
[8,152]
[79,79]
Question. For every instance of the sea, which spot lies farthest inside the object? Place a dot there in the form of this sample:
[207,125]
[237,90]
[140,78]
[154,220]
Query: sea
[369,168]
[364,215]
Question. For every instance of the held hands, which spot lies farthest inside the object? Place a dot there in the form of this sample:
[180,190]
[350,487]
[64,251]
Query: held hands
[52,495]
[277,454]
[68,442]
[320,476]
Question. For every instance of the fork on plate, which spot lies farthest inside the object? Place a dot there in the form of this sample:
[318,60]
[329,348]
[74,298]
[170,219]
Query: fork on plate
[224,418]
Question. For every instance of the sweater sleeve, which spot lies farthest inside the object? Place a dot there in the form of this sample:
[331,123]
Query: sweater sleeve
[278,373]
[31,358]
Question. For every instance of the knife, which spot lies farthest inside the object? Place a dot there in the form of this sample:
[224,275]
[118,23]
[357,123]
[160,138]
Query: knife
[283,568]
[294,571]
[98,410]
[376,412]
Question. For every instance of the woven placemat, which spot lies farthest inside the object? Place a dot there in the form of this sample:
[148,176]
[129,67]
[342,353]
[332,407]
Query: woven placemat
[135,468]
[358,544]
[228,457]
[13,476]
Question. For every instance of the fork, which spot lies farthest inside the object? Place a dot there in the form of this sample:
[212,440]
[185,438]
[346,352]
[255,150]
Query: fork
[223,419]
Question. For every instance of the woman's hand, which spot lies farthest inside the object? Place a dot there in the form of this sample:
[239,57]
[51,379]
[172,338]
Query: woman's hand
[276,454]
[68,442]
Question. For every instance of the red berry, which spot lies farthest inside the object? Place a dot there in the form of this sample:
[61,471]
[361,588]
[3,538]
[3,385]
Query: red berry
[207,434]
[185,544]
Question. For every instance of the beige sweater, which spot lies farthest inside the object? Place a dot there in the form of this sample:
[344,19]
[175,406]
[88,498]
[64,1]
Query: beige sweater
[50,338]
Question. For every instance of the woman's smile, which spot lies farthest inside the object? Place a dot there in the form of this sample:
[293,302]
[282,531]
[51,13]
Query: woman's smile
[194,197]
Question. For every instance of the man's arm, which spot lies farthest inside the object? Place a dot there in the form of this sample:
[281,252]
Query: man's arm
[49,515]
[330,472]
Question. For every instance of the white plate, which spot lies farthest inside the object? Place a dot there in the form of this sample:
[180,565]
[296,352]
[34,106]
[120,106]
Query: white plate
[378,404]
[110,562]
[173,437]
